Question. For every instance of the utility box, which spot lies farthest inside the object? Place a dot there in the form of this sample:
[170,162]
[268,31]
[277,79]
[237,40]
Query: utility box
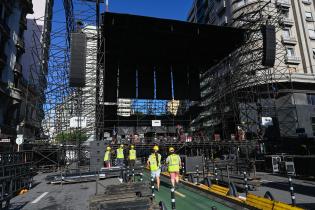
[192,163]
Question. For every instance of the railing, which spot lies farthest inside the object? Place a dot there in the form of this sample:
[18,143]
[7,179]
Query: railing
[289,39]
[292,59]
[287,21]
[284,3]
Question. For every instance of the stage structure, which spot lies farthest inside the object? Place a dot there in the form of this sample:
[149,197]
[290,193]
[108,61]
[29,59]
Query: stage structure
[156,60]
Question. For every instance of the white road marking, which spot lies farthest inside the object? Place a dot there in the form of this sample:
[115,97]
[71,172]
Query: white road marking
[39,197]
[263,180]
[181,195]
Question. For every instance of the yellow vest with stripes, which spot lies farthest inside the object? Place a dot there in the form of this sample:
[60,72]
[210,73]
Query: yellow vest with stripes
[132,154]
[154,166]
[120,153]
[107,156]
[173,163]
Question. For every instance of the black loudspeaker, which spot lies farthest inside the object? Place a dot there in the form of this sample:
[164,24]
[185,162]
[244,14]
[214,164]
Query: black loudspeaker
[269,45]
[78,60]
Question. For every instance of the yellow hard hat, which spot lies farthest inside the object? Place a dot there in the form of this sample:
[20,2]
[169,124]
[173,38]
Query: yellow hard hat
[132,146]
[121,145]
[171,149]
[156,148]
[108,148]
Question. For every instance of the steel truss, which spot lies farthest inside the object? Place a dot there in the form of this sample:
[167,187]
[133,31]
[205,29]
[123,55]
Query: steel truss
[240,90]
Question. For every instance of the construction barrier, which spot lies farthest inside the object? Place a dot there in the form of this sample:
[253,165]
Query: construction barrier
[266,204]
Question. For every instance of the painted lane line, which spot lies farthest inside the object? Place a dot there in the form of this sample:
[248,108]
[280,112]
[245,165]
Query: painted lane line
[181,195]
[39,197]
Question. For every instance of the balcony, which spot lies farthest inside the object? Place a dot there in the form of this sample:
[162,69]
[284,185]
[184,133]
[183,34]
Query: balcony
[20,45]
[18,68]
[308,2]
[286,21]
[309,19]
[221,6]
[4,28]
[290,40]
[16,93]
[289,59]
[285,4]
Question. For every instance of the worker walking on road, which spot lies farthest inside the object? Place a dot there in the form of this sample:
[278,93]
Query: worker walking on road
[120,157]
[154,163]
[173,165]
[132,156]
[107,157]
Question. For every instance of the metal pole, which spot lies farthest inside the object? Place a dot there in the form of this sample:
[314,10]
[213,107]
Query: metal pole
[292,191]
[97,68]
[173,198]
[96,183]
[216,176]
[152,187]
[141,177]
[197,171]
[245,183]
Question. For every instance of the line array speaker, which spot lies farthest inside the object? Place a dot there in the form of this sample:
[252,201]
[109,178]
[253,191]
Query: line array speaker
[269,45]
[78,60]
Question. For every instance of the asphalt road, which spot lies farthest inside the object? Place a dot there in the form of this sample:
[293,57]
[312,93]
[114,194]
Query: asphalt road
[56,197]
[279,187]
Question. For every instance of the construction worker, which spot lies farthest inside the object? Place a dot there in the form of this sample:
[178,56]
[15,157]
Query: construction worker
[154,163]
[120,157]
[173,165]
[132,156]
[107,157]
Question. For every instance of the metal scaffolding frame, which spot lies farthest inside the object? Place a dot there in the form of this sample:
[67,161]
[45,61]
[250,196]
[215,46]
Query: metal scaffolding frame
[239,90]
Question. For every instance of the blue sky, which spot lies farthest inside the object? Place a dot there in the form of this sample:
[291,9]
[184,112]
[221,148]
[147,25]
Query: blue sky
[170,9]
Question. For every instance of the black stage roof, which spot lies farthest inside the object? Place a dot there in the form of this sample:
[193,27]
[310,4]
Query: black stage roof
[132,39]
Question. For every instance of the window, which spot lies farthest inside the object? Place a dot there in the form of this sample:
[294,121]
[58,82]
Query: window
[309,16]
[313,125]
[285,13]
[286,33]
[311,99]
[311,33]
[290,51]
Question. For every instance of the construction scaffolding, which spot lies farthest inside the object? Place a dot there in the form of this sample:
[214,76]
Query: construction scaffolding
[239,92]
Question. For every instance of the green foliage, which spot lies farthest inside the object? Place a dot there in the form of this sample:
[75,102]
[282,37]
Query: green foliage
[71,137]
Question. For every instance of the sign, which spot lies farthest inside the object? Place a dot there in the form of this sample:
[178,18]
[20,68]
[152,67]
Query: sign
[156,123]
[19,139]
[266,121]
[5,140]
[77,122]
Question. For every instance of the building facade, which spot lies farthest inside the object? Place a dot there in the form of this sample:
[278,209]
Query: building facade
[12,26]
[291,80]
[25,31]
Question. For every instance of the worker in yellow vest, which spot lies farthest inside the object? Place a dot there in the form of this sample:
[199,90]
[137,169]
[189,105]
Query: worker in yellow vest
[173,165]
[154,163]
[120,157]
[107,158]
[132,156]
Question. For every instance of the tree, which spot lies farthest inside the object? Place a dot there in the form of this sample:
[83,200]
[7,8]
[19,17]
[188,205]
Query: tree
[71,137]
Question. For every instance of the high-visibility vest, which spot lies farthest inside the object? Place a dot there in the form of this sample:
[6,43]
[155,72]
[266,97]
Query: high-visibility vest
[120,153]
[173,163]
[154,166]
[132,154]
[107,156]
